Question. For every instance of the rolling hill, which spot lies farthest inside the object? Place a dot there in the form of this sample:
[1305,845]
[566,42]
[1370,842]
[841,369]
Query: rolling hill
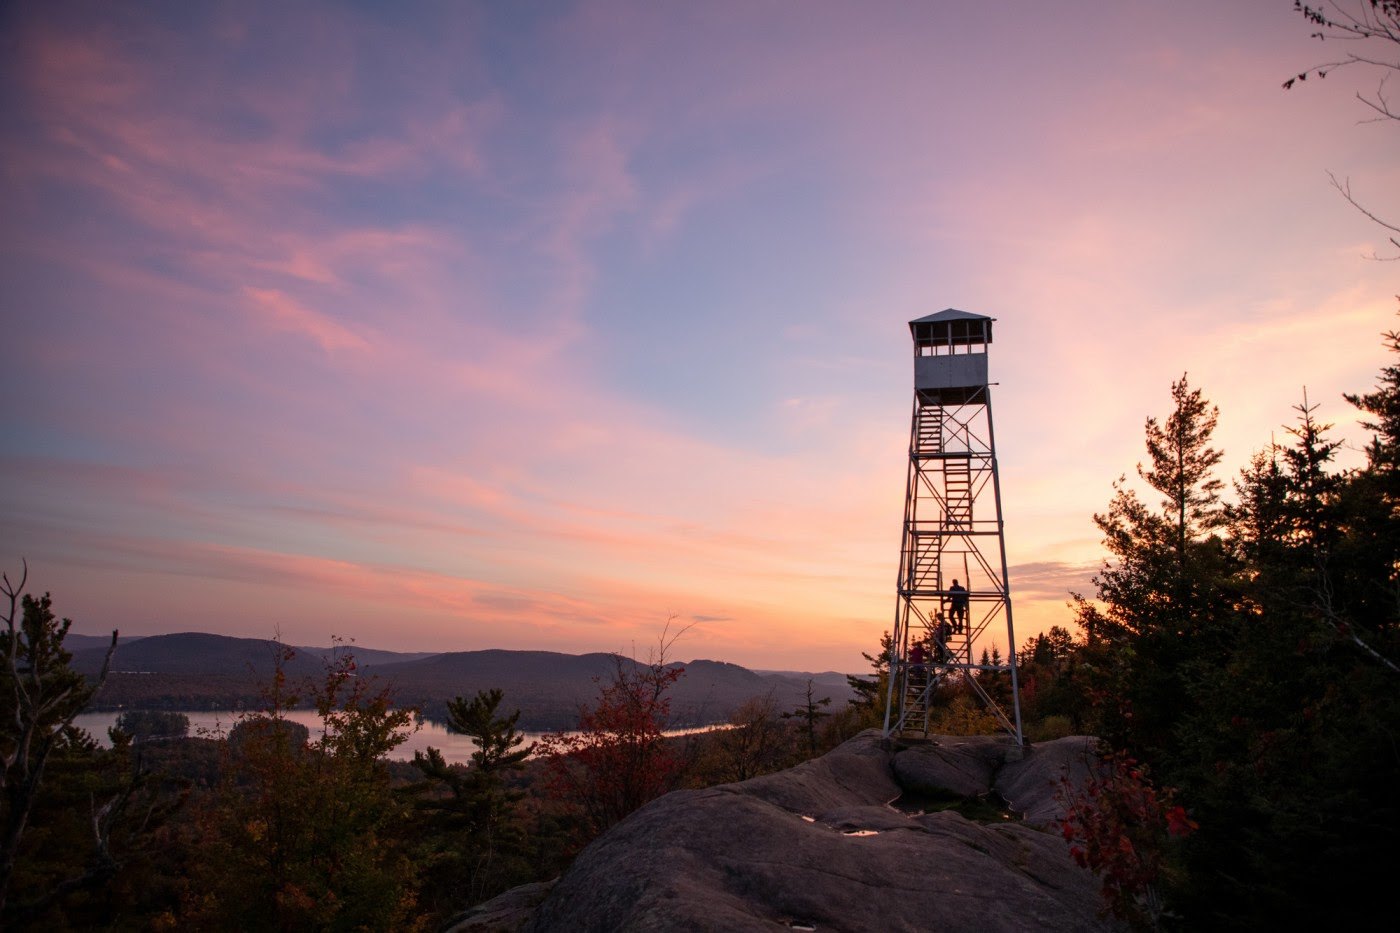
[193,670]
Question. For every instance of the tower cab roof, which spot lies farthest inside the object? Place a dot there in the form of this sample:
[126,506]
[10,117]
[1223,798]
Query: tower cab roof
[951,327]
[950,314]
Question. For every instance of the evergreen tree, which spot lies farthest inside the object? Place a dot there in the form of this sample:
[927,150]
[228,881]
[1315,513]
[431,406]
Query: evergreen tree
[1168,592]
[1312,491]
[1253,671]
[871,693]
[308,835]
[1182,465]
[474,843]
[1052,699]
[810,712]
[1287,522]
[1279,757]
[1363,587]
[1154,585]
[40,696]
[1382,405]
[100,852]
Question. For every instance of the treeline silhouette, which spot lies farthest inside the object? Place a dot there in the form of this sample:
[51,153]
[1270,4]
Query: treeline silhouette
[1238,661]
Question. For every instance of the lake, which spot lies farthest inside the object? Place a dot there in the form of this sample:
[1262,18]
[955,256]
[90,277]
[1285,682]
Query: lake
[456,749]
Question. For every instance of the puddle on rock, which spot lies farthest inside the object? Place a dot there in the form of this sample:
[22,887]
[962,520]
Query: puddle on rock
[984,808]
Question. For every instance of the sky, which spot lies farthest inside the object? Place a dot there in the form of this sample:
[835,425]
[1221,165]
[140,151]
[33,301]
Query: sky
[462,325]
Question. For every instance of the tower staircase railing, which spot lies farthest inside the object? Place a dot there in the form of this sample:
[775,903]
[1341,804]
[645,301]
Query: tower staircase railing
[929,432]
[957,486]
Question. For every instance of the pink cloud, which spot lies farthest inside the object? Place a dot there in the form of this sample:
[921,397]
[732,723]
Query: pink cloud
[452,459]
[287,315]
[306,597]
[115,122]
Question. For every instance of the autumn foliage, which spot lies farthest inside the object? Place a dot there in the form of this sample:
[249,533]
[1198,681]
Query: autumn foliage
[1120,825]
[301,835]
[618,759]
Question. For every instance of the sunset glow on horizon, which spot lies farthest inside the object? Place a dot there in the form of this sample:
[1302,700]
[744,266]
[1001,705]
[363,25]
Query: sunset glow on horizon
[451,326]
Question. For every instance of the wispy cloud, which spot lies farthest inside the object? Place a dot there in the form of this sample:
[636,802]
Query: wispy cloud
[1052,579]
[544,327]
[285,314]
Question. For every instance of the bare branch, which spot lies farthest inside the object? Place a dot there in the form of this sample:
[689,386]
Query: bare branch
[1372,28]
[12,593]
[47,695]
[1344,188]
[1342,627]
[101,865]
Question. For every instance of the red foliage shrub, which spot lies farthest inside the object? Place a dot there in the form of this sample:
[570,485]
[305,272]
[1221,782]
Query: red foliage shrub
[1119,825]
[618,759]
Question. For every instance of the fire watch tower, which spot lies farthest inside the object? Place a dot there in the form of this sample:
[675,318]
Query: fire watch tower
[953,589]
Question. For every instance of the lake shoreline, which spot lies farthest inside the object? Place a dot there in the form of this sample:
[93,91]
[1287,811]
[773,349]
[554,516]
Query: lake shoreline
[215,724]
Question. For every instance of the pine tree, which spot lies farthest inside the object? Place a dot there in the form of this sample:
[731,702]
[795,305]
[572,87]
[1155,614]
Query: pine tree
[1251,668]
[40,696]
[810,712]
[1383,406]
[1154,584]
[473,838]
[1168,592]
[1279,755]
[1182,465]
[870,693]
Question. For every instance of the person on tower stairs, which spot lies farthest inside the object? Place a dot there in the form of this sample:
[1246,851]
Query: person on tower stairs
[944,634]
[957,606]
[918,669]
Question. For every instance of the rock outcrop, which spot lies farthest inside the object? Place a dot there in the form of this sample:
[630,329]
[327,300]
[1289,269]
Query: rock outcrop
[851,841]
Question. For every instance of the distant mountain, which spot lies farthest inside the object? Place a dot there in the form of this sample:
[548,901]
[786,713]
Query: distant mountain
[188,653]
[197,670]
[201,671]
[368,655]
[824,679]
[549,687]
[75,642]
[198,652]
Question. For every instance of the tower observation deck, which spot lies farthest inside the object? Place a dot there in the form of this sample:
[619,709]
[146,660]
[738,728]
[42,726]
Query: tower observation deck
[953,592]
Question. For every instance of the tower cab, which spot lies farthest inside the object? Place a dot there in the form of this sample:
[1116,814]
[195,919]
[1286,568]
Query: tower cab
[950,356]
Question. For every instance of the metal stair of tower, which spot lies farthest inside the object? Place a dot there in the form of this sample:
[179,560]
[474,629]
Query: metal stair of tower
[957,489]
[929,433]
[914,688]
[916,712]
[923,567]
